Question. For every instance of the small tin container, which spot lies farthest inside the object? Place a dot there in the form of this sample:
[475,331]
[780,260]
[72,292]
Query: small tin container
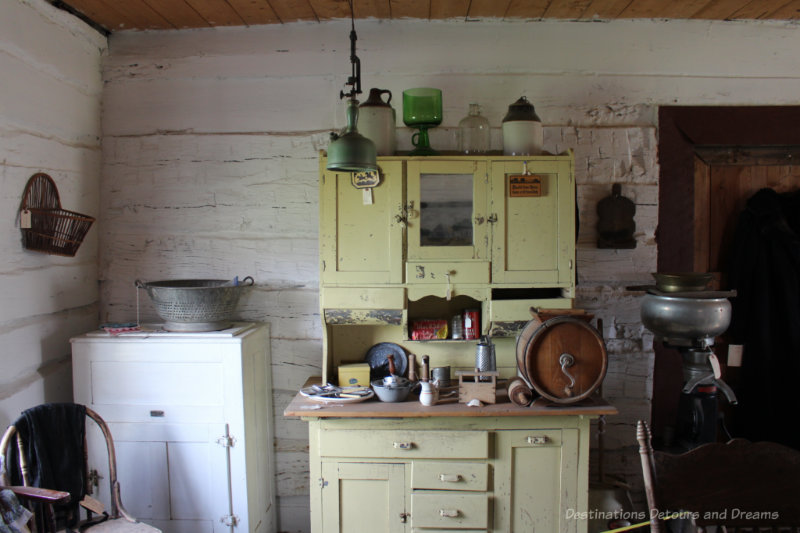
[472,324]
[441,375]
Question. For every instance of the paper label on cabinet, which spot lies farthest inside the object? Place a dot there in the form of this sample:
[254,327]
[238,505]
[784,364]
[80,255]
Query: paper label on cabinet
[25,219]
[524,186]
[366,195]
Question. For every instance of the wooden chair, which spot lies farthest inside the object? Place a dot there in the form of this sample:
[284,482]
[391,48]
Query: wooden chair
[118,520]
[738,486]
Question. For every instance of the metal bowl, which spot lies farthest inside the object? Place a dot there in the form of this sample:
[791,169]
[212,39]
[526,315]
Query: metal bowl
[676,318]
[392,392]
[682,281]
[195,304]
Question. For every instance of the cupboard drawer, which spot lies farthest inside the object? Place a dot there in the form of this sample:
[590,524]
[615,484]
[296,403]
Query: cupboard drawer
[404,444]
[436,272]
[168,391]
[449,476]
[449,510]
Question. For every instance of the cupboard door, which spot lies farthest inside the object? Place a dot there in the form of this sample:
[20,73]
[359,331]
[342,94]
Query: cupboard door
[363,497]
[533,238]
[536,480]
[447,203]
[362,242]
[173,477]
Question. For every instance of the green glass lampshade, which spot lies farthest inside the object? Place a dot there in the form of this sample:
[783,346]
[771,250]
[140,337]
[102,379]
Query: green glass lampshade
[351,151]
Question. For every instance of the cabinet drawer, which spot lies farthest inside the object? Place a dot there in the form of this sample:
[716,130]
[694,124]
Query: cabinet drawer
[449,476]
[405,444]
[168,391]
[436,272]
[449,510]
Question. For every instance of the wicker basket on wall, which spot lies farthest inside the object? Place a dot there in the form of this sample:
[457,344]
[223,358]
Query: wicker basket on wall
[46,227]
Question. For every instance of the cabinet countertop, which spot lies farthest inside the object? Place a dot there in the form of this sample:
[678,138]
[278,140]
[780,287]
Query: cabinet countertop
[304,407]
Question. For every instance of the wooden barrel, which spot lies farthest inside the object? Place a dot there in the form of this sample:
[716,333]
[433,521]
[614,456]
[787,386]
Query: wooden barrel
[563,358]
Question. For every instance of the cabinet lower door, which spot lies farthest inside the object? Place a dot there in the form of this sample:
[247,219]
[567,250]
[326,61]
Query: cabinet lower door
[536,478]
[363,497]
[173,477]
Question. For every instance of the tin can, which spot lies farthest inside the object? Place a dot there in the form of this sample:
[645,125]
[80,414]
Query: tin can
[472,323]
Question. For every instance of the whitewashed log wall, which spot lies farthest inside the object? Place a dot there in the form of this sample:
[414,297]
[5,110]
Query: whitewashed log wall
[49,122]
[211,139]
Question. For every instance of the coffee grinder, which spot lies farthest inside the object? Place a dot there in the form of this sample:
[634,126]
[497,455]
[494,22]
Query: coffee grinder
[689,321]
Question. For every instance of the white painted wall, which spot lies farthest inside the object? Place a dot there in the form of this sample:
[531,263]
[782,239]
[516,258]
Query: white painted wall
[211,139]
[49,122]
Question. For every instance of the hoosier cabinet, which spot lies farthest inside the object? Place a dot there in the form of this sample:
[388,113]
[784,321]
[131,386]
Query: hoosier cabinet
[440,237]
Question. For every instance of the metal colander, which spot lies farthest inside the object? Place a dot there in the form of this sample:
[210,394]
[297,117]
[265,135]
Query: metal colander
[195,304]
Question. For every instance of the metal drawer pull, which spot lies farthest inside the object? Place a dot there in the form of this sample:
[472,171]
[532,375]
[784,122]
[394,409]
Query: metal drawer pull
[157,414]
[403,445]
[449,513]
[450,478]
[538,440]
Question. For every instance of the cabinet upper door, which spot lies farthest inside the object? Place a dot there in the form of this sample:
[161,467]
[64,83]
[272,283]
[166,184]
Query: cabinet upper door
[533,237]
[446,210]
[361,234]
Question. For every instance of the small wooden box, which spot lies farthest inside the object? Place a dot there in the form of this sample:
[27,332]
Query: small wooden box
[354,375]
[470,386]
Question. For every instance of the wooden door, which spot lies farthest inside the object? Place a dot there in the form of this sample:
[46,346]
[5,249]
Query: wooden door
[536,480]
[533,238]
[364,497]
[353,227]
[723,184]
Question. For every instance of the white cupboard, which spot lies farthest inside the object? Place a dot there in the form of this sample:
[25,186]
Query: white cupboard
[191,416]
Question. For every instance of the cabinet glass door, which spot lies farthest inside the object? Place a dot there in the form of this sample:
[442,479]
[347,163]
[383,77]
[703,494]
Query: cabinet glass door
[446,210]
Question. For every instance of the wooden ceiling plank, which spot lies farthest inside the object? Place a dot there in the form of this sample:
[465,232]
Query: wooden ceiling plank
[479,9]
[415,9]
[605,9]
[294,10]
[789,11]
[379,9]
[527,9]
[254,12]
[448,9]
[566,9]
[179,14]
[331,9]
[216,12]
[720,9]
[645,9]
[758,9]
[132,14]
[681,10]
[99,12]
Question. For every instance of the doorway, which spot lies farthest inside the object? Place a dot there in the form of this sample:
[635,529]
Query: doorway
[712,159]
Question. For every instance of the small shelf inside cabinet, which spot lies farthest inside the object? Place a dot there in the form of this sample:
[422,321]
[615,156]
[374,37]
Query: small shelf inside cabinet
[436,312]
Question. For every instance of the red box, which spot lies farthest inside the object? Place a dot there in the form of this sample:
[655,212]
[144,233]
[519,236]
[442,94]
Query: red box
[429,329]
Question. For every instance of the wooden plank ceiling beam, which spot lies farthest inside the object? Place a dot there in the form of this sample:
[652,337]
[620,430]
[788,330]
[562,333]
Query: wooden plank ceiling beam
[116,15]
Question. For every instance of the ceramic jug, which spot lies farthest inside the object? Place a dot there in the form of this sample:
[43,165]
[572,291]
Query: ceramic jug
[429,394]
[376,121]
[522,129]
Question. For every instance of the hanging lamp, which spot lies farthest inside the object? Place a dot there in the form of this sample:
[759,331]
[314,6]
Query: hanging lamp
[351,151]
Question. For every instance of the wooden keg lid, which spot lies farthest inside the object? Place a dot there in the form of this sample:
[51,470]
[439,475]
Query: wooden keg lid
[563,358]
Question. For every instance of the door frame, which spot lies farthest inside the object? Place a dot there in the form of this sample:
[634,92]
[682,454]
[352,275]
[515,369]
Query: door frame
[683,132]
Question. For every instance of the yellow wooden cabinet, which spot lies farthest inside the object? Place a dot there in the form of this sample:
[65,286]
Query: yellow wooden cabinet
[489,474]
[440,235]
